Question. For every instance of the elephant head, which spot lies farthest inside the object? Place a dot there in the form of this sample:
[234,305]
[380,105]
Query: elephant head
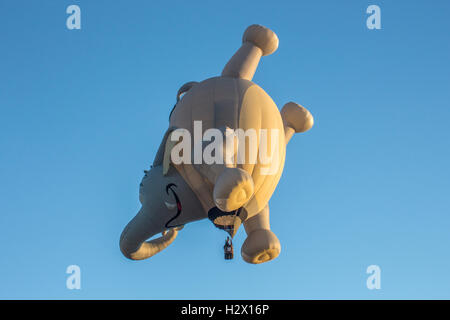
[167,204]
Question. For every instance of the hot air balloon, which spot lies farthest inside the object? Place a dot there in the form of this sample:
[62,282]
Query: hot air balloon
[231,192]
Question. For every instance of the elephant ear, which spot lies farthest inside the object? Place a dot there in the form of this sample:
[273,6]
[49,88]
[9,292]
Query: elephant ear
[163,155]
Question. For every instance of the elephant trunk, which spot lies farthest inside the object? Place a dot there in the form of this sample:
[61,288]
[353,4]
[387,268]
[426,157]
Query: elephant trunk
[133,242]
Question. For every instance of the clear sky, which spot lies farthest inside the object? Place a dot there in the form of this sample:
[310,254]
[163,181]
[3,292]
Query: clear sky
[82,113]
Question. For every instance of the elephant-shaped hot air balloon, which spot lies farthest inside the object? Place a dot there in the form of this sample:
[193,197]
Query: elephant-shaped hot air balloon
[237,190]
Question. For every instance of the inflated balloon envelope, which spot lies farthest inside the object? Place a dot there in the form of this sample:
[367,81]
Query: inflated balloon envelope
[234,191]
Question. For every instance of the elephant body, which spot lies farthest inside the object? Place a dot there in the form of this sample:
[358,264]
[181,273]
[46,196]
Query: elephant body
[237,104]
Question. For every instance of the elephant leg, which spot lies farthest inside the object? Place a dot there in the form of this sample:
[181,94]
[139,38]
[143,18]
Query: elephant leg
[262,244]
[296,119]
[233,187]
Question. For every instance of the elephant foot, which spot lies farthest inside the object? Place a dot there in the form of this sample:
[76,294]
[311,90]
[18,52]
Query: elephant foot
[233,189]
[260,246]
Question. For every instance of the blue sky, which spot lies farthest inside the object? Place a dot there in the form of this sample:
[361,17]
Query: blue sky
[82,113]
